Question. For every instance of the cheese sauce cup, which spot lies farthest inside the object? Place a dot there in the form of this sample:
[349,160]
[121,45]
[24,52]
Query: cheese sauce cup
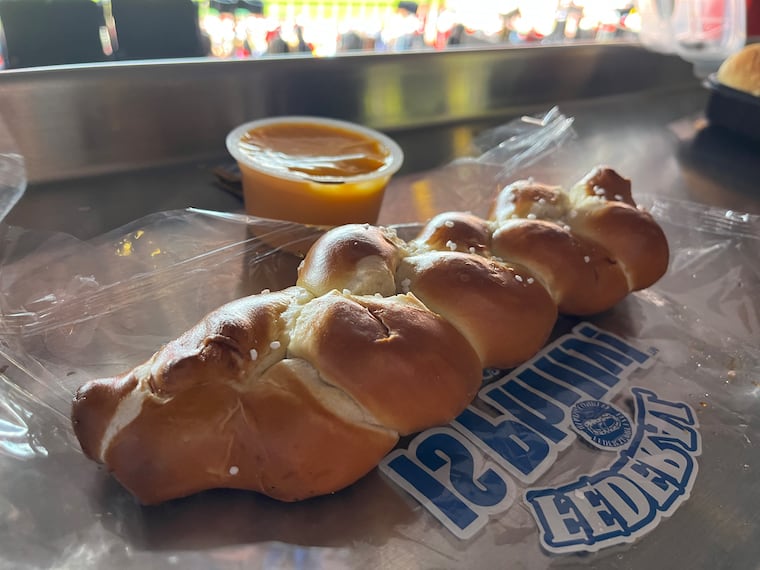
[313,170]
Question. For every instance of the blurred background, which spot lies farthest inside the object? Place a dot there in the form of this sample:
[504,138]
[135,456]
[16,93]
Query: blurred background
[51,32]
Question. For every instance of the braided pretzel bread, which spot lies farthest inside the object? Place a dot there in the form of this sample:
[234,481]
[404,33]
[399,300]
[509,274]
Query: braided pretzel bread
[301,392]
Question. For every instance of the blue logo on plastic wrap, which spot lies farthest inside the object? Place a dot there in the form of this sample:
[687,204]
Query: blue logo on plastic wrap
[647,482]
[601,424]
[521,421]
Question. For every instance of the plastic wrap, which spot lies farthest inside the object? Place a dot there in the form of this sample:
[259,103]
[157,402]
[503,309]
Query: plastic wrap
[12,172]
[468,183]
[76,310]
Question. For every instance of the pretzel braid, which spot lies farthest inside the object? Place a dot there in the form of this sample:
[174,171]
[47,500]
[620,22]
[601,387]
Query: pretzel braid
[301,392]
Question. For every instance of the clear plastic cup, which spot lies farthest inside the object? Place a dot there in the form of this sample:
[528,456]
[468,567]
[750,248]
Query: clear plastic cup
[656,33]
[706,32]
[703,32]
[313,170]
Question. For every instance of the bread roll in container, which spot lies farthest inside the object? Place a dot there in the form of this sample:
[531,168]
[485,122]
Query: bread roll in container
[734,102]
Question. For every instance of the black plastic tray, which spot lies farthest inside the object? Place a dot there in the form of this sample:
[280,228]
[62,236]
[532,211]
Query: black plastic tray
[733,109]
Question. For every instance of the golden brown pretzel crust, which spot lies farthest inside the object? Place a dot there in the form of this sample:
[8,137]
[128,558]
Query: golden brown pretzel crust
[236,402]
[637,243]
[360,258]
[301,392]
[582,276]
[94,407]
[608,184]
[456,231]
[495,305]
[521,198]
[276,438]
[404,364]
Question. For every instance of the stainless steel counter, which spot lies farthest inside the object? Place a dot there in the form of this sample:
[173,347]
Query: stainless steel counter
[652,136]
[107,144]
[86,120]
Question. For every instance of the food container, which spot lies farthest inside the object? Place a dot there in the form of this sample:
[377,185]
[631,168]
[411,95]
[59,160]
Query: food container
[732,109]
[313,170]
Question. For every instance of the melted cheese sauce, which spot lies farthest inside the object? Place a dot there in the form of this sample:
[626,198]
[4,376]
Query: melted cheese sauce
[313,151]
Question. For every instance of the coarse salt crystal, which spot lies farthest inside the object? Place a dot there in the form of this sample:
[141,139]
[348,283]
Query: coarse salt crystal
[518,278]
[265,291]
[566,228]
[234,470]
[472,250]
[275,344]
[586,258]
[254,354]
[451,245]
[530,280]
[618,197]
[448,224]
[542,201]
[531,216]
[346,291]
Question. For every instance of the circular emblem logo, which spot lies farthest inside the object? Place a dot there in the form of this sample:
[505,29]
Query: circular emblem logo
[601,424]
[491,374]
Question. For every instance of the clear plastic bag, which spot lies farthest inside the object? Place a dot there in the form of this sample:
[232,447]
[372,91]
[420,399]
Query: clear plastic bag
[75,310]
[499,156]
[63,296]
[12,172]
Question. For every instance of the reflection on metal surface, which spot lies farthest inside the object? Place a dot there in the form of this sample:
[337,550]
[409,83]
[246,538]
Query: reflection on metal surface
[83,120]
